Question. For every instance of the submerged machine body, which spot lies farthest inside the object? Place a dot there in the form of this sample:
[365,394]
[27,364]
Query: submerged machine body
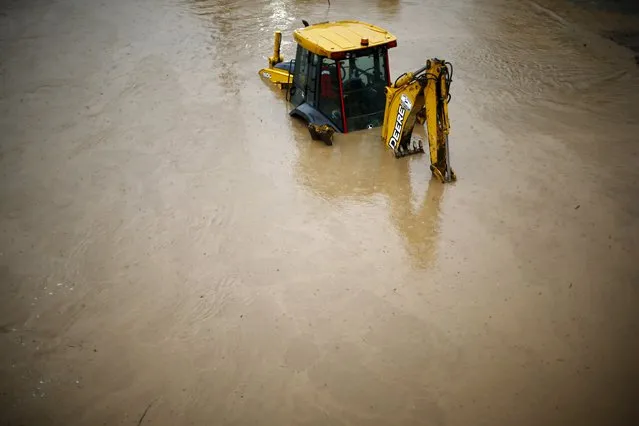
[339,81]
[342,70]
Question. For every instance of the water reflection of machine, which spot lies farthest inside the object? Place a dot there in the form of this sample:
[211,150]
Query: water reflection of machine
[344,173]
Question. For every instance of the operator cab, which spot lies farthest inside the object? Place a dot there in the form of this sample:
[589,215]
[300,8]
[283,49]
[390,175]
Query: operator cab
[340,73]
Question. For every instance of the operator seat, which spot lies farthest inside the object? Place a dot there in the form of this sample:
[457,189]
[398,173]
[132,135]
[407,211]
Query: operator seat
[327,85]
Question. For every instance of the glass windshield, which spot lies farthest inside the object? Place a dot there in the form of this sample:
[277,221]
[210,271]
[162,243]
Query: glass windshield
[363,81]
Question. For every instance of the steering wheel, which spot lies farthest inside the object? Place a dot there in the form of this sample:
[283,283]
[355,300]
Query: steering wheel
[369,72]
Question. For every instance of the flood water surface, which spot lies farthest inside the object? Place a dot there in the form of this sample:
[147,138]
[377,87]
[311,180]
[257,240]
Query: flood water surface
[175,249]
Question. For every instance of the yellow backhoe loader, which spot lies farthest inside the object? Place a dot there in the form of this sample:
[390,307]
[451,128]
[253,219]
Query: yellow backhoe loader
[340,81]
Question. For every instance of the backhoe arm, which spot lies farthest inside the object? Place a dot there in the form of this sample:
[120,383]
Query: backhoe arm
[421,96]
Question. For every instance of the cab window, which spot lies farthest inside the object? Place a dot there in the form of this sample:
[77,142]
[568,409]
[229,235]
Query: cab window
[363,80]
[329,96]
[300,76]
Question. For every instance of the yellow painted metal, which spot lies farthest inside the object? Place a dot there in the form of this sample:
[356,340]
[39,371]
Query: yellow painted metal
[421,96]
[437,121]
[331,38]
[396,115]
[278,76]
[276,58]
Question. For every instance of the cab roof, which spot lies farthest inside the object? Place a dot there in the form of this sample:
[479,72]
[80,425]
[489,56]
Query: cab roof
[331,39]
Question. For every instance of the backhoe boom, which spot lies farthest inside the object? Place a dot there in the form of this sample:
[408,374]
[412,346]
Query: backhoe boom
[421,96]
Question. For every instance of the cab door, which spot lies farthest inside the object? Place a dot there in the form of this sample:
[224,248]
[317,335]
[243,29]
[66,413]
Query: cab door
[364,78]
[312,79]
[300,76]
[330,95]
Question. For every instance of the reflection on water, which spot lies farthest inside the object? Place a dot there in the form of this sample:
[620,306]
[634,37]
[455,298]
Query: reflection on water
[224,20]
[357,169]
[279,17]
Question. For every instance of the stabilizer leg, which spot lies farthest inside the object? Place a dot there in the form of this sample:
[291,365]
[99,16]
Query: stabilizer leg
[324,133]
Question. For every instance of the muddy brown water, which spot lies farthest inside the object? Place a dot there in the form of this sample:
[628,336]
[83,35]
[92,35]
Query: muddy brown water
[174,249]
